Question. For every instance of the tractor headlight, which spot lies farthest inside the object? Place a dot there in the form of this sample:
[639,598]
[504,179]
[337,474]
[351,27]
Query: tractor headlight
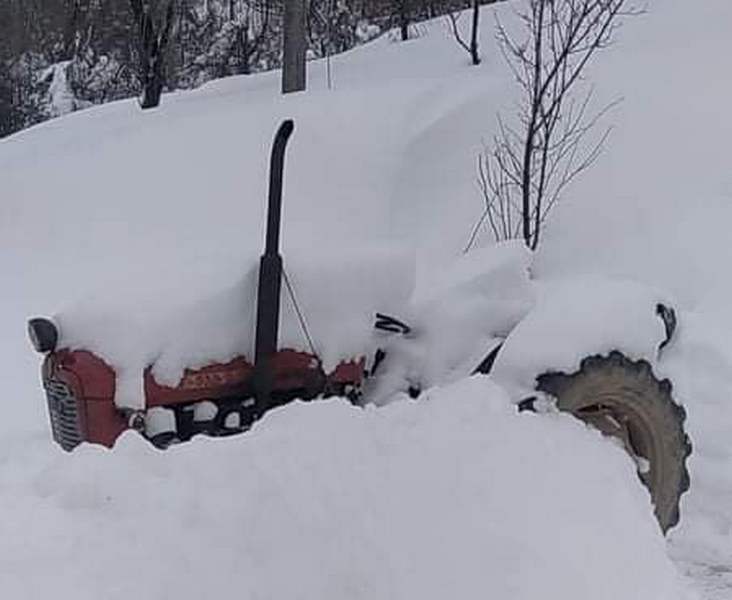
[43,335]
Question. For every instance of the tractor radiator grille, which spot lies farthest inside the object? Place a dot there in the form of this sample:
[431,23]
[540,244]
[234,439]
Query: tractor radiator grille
[64,415]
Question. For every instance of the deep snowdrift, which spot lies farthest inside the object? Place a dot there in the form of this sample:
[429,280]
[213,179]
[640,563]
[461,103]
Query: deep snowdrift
[329,501]
[168,207]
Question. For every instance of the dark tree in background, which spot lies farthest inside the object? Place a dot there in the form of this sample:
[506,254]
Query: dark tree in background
[294,46]
[403,14]
[154,21]
[235,37]
[58,56]
[250,34]
[6,84]
[62,55]
[472,46]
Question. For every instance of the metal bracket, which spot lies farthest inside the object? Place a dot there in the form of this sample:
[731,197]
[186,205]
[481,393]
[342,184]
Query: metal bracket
[668,316]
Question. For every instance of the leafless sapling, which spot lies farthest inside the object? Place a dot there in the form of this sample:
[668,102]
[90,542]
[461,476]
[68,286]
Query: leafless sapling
[528,165]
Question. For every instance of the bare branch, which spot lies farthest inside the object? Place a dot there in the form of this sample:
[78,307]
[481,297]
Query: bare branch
[530,164]
[453,18]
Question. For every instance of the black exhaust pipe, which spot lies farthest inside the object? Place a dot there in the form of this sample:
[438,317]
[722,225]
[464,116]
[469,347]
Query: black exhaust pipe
[270,265]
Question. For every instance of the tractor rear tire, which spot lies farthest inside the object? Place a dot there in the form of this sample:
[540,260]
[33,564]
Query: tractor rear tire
[623,399]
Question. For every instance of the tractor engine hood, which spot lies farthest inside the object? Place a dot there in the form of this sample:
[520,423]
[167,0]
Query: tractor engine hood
[338,297]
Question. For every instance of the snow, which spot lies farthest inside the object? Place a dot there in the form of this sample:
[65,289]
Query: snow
[700,366]
[325,500]
[339,294]
[456,318]
[61,98]
[204,411]
[159,420]
[573,320]
[120,221]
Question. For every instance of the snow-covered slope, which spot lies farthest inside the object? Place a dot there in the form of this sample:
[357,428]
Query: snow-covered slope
[113,207]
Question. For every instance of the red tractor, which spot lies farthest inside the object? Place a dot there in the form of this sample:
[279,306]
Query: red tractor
[620,396]
[217,400]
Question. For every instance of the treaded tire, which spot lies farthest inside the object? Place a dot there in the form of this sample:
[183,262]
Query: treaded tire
[623,398]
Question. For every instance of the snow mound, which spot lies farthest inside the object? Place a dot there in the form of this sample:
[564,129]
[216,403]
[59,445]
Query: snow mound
[454,496]
[576,319]
[464,310]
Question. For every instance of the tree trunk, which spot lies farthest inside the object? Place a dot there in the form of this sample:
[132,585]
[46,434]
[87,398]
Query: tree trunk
[152,89]
[293,67]
[244,53]
[474,54]
[404,20]
[153,44]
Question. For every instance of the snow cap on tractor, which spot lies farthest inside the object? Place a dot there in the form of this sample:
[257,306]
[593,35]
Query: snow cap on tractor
[217,399]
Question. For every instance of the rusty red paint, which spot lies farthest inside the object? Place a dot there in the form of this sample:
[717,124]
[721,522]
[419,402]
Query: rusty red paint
[96,376]
[92,382]
[348,372]
[105,423]
[233,378]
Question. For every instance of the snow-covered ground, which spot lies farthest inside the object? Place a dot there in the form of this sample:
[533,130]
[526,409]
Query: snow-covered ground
[454,495]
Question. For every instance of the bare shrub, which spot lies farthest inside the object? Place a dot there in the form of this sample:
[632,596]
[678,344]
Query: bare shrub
[530,161]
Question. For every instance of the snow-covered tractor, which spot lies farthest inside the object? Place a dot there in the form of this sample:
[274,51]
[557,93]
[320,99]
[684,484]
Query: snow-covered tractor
[551,349]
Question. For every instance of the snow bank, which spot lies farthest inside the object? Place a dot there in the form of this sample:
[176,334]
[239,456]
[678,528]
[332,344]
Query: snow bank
[576,319]
[454,496]
[700,365]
